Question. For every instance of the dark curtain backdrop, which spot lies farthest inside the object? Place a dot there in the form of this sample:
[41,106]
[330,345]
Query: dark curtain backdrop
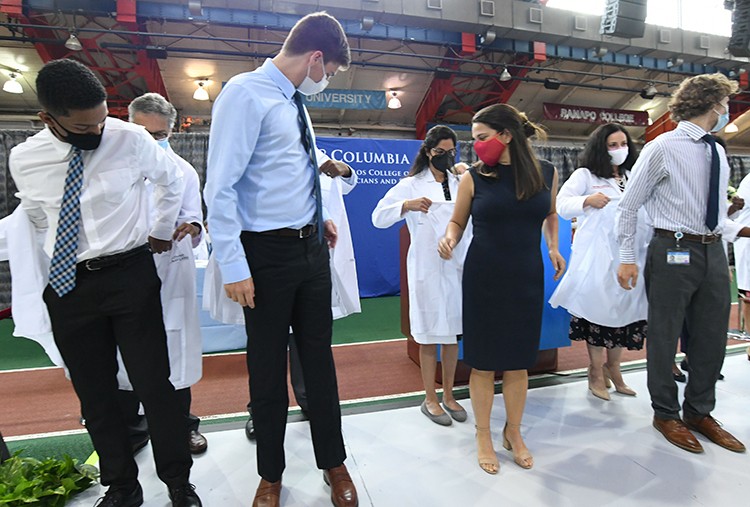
[193,147]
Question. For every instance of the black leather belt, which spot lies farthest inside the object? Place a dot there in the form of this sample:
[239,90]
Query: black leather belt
[108,261]
[305,232]
[705,239]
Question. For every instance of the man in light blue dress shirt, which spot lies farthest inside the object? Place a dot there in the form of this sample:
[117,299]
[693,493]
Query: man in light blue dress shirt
[262,193]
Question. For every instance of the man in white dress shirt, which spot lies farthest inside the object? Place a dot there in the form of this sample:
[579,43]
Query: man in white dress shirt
[158,116]
[82,181]
[681,179]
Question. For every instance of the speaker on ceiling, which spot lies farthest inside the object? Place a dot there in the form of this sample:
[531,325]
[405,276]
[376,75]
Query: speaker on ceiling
[739,42]
[624,18]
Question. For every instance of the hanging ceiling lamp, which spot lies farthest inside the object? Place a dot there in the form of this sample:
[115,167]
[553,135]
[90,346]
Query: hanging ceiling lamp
[12,85]
[394,103]
[201,93]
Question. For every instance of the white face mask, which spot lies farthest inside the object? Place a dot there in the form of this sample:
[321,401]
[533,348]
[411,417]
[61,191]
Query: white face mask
[310,87]
[618,156]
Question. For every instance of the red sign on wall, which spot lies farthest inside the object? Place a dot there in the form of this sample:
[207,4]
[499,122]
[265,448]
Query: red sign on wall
[585,114]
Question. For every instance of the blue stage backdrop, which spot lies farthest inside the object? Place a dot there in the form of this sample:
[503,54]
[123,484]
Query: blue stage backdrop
[380,164]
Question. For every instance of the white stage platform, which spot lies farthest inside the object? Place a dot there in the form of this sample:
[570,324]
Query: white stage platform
[587,452]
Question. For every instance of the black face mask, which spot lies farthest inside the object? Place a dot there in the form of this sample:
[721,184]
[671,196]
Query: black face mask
[81,141]
[443,162]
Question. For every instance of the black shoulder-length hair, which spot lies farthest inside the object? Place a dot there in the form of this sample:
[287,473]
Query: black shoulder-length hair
[595,156]
[432,139]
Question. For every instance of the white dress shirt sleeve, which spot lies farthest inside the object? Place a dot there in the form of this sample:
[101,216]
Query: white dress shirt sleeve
[32,208]
[159,168]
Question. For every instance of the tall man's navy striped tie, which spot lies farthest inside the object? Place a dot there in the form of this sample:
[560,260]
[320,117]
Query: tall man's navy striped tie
[309,144]
[712,211]
[62,269]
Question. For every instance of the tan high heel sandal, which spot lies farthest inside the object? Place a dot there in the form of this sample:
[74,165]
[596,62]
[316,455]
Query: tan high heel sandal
[597,391]
[621,388]
[524,460]
[489,464]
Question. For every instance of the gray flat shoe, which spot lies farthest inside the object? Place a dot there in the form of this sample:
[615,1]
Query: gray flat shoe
[442,419]
[458,415]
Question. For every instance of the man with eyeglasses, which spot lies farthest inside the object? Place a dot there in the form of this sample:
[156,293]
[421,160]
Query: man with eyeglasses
[158,116]
[81,181]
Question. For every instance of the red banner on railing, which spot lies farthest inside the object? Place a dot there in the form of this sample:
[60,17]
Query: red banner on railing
[585,114]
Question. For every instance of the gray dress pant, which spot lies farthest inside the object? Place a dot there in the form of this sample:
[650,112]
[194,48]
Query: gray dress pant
[697,294]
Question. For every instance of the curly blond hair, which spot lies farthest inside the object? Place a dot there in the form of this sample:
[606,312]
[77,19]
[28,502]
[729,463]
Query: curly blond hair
[697,95]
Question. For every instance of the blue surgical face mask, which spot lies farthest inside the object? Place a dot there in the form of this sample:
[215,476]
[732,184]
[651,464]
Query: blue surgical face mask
[164,143]
[721,122]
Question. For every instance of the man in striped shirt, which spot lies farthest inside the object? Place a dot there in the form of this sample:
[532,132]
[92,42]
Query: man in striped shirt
[681,179]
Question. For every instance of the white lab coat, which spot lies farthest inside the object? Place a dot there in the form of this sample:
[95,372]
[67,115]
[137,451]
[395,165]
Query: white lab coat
[742,245]
[589,288]
[434,284]
[176,270]
[22,245]
[345,289]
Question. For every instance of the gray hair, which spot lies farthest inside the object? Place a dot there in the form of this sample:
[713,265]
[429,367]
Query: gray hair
[153,103]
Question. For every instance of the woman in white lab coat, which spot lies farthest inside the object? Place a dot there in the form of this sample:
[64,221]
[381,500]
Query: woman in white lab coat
[603,314]
[425,200]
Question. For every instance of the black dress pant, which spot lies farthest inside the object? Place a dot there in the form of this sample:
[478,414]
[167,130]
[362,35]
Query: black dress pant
[120,306]
[295,374]
[4,452]
[137,424]
[292,279]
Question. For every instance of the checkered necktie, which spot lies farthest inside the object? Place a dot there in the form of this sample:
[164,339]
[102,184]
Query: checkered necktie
[307,142]
[62,269]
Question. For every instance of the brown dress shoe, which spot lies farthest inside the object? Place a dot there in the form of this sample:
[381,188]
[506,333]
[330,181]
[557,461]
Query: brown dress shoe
[197,442]
[267,494]
[676,433]
[711,429]
[343,492]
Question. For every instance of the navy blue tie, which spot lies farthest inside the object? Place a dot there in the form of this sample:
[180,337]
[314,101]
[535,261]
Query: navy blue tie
[712,211]
[309,144]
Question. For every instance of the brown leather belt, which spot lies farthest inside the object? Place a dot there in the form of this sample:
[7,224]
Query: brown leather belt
[305,232]
[108,261]
[705,239]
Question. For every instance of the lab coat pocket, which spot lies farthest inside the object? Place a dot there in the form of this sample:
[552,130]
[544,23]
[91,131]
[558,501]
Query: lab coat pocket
[174,314]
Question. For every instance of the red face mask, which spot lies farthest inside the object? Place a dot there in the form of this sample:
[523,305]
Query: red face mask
[490,150]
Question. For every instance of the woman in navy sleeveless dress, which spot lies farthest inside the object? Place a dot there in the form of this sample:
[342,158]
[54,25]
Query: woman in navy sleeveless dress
[510,197]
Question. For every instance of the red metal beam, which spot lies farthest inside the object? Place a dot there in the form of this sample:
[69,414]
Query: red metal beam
[124,74]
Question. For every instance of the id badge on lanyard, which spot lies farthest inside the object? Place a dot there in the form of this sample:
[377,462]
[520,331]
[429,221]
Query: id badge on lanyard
[678,256]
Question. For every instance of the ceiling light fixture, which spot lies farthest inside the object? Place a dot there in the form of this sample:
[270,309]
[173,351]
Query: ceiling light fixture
[732,128]
[649,92]
[12,85]
[505,75]
[73,43]
[201,93]
[394,103]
